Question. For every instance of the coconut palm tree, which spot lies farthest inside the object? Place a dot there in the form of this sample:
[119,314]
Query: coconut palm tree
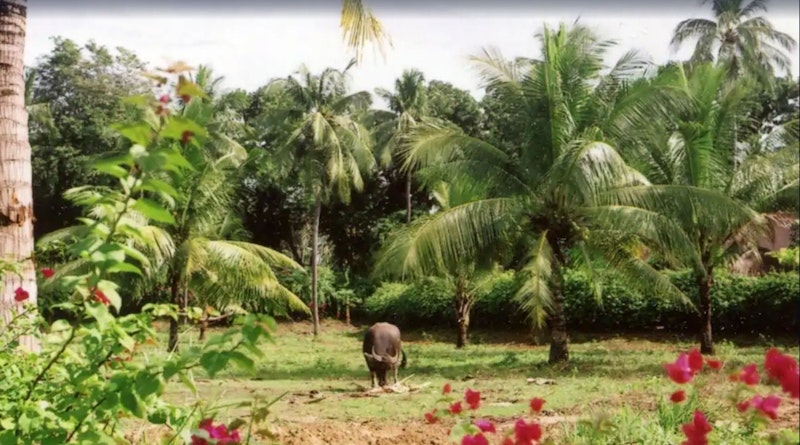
[465,276]
[328,145]
[746,41]
[710,185]
[16,193]
[203,259]
[408,104]
[543,193]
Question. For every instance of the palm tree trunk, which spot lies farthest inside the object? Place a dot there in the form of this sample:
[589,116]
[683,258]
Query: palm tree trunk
[408,199]
[314,254]
[16,190]
[463,305]
[559,340]
[706,340]
[175,294]
[203,329]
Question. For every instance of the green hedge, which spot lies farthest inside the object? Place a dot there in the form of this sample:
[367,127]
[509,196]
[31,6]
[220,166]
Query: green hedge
[740,304]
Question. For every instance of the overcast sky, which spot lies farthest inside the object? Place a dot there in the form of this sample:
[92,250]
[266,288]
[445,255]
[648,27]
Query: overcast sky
[249,47]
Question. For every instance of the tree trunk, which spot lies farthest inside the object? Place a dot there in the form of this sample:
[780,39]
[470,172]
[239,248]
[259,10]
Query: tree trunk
[347,313]
[559,340]
[16,190]
[706,340]
[203,329]
[408,199]
[314,261]
[175,295]
[463,305]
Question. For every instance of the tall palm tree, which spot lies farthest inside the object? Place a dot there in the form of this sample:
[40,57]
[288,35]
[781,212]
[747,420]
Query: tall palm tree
[330,147]
[543,193]
[408,103]
[708,184]
[748,42]
[16,192]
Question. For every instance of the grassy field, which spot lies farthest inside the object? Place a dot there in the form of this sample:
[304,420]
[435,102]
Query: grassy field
[326,401]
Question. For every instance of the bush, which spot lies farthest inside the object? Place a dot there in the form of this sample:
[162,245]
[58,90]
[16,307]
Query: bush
[740,305]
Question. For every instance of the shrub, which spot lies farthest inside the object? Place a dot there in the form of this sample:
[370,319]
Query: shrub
[740,304]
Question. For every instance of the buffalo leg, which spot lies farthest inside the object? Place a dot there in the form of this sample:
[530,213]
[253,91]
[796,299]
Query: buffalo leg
[372,378]
[395,375]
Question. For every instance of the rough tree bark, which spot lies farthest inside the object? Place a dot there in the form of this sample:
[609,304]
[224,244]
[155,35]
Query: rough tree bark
[706,340]
[16,191]
[408,199]
[314,254]
[175,297]
[463,306]
[559,340]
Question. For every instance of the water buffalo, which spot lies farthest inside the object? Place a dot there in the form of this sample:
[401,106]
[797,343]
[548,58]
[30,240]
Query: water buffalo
[383,350]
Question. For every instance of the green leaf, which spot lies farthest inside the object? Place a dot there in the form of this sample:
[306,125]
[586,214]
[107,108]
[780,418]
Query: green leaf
[178,125]
[8,437]
[109,289]
[135,254]
[147,384]
[213,362]
[139,133]
[188,382]
[153,210]
[131,402]
[242,360]
[124,267]
[159,186]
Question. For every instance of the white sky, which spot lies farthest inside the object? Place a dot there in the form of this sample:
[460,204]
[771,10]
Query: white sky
[250,50]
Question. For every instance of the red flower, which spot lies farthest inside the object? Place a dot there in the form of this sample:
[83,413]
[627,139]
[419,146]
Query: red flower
[447,389]
[485,426]
[536,404]
[20,295]
[716,365]
[742,406]
[679,372]
[164,99]
[749,375]
[473,398]
[767,406]
[431,417]
[186,98]
[478,439]
[696,431]
[678,396]
[695,361]
[455,408]
[784,369]
[100,297]
[186,136]
[48,272]
[527,433]
[507,441]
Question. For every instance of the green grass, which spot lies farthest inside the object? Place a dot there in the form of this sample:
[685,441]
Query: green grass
[621,376]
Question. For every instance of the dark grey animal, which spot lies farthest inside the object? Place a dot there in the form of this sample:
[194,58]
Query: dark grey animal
[383,351]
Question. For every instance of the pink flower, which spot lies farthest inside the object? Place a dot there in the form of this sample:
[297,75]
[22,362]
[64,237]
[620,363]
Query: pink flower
[21,295]
[219,434]
[536,404]
[48,272]
[697,430]
[527,433]
[695,361]
[485,426]
[164,99]
[680,372]
[749,375]
[766,405]
[455,408]
[447,389]
[478,439]
[678,396]
[473,398]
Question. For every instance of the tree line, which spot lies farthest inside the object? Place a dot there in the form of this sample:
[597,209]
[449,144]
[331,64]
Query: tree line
[564,163]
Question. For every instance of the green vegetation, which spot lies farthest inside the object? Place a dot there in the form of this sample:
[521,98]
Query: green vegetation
[581,219]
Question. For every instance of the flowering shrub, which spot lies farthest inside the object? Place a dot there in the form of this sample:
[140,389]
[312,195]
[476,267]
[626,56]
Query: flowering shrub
[91,374]
[757,408]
